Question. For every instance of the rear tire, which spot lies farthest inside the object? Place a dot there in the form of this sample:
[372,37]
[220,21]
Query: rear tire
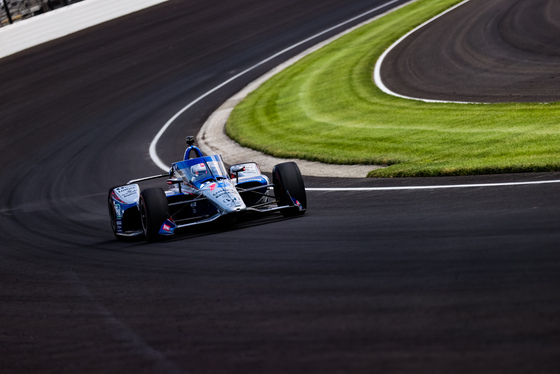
[154,211]
[288,186]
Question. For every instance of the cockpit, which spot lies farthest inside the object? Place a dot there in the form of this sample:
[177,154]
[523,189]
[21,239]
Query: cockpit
[200,170]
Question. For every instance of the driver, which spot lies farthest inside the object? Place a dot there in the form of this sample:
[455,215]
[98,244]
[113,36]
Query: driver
[199,171]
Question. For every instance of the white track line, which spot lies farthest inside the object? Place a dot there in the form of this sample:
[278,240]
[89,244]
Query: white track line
[377,71]
[153,151]
[354,189]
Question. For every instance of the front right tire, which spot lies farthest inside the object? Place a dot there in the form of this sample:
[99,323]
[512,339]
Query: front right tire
[289,187]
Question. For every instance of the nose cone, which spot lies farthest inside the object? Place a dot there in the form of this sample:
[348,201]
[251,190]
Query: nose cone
[234,207]
[226,198]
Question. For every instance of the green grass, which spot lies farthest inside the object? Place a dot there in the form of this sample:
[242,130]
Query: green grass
[327,108]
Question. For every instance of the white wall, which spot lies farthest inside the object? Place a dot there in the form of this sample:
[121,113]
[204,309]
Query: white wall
[63,21]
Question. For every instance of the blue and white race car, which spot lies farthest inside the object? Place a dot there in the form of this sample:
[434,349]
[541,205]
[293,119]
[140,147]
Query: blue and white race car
[199,191]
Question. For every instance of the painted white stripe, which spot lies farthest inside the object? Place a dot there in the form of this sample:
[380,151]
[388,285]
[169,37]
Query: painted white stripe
[153,144]
[399,188]
[377,71]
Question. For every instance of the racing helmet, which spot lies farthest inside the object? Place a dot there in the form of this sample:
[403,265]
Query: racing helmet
[199,170]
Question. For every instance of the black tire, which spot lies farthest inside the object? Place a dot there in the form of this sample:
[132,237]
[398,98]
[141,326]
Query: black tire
[154,211]
[288,185]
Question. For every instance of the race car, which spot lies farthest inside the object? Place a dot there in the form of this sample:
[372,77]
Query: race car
[199,191]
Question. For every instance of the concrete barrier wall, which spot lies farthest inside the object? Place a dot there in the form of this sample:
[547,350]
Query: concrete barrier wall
[64,21]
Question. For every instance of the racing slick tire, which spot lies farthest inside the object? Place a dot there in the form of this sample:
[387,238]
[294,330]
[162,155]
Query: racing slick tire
[289,188]
[154,212]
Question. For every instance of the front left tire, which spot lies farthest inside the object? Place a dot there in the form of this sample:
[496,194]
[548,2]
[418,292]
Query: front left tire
[154,212]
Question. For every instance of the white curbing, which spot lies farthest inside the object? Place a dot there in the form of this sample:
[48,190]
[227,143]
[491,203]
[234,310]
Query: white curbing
[65,21]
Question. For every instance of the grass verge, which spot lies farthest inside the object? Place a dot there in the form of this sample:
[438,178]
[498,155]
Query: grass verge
[326,108]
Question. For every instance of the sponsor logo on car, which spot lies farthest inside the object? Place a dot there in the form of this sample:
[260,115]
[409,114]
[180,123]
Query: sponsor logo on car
[118,210]
[126,194]
[297,203]
[168,227]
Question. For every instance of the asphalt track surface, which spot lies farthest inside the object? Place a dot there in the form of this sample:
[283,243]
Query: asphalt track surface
[435,280]
[484,51]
